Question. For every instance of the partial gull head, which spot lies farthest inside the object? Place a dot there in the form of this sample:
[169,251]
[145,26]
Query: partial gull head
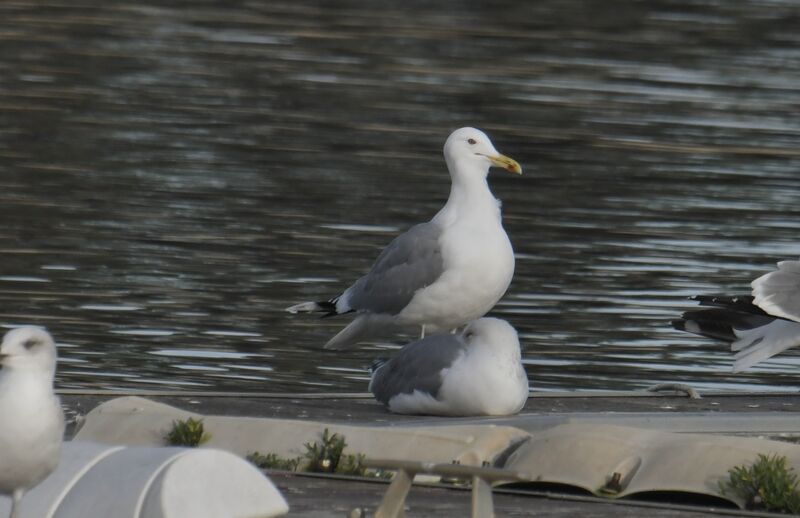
[29,349]
[31,419]
[476,372]
[470,149]
[441,274]
[757,326]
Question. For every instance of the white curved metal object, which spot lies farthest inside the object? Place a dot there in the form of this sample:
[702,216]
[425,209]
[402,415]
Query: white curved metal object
[96,479]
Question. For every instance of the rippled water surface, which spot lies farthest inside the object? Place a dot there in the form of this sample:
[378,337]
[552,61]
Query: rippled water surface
[172,178]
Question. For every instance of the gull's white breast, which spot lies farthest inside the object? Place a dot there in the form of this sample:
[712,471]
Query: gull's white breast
[30,438]
[486,381]
[478,267]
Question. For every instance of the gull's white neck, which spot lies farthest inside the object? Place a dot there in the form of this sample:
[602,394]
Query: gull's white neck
[469,194]
[27,377]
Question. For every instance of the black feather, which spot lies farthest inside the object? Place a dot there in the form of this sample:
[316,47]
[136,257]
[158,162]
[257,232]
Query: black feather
[741,303]
[726,315]
[328,308]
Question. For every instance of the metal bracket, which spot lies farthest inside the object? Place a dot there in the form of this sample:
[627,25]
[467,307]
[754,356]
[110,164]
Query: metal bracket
[482,477]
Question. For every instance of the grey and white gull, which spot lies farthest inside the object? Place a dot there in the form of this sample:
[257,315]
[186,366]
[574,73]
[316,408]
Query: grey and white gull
[31,419]
[441,274]
[476,372]
[758,326]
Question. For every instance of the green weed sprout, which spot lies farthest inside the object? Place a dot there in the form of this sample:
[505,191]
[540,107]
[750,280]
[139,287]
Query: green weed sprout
[273,461]
[324,456]
[189,432]
[768,484]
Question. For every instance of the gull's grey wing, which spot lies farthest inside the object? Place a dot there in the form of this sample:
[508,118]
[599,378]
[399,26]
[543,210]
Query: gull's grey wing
[417,366]
[778,292]
[412,261]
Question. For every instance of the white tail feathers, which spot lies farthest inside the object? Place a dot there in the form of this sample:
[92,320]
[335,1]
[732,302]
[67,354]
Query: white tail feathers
[778,292]
[305,307]
[760,343]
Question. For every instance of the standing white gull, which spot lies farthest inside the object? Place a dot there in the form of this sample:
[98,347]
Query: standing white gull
[440,274]
[758,326]
[477,372]
[31,419]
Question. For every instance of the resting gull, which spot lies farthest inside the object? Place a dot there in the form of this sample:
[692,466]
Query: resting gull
[441,274]
[758,326]
[477,372]
[31,419]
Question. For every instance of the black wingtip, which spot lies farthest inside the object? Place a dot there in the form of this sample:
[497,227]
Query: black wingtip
[680,325]
[328,307]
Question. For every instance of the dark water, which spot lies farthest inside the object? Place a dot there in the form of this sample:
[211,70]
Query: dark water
[172,177]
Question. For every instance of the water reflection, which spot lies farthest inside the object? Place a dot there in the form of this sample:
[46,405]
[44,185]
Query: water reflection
[171,179]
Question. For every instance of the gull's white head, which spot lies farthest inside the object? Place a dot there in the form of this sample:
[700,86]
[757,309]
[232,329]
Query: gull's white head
[494,333]
[472,148]
[28,348]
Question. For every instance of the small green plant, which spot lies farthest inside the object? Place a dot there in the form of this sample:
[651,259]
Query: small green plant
[352,465]
[768,484]
[189,432]
[273,461]
[326,456]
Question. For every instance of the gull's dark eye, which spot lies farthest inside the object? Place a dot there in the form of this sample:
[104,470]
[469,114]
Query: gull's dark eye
[472,141]
[29,343]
